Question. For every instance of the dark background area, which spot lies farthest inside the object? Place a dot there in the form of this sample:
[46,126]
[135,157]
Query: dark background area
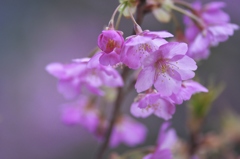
[37,32]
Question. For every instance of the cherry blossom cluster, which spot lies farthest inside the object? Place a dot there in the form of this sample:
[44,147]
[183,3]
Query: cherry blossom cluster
[162,71]
[215,28]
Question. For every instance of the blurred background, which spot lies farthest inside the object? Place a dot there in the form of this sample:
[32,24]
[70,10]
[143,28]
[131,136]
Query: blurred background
[34,33]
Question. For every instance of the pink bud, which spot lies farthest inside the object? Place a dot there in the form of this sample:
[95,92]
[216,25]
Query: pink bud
[110,40]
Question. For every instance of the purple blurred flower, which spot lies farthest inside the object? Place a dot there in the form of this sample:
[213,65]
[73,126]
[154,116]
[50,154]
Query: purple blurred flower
[128,131]
[81,112]
[166,140]
[110,42]
[152,103]
[216,29]
[188,88]
[166,68]
[84,74]
[137,47]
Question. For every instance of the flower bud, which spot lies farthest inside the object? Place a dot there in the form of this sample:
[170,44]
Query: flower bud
[109,40]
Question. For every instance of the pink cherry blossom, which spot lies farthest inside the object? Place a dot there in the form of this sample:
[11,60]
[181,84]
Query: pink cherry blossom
[81,112]
[84,75]
[128,131]
[166,68]
[188,88]
[166,140]
[216,29]
[110,42]
[152,103]
[137,47]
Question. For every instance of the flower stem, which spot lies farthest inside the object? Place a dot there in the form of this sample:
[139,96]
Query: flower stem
[186,5]
[197,20]
[111,22]
[137,28]
[118,20]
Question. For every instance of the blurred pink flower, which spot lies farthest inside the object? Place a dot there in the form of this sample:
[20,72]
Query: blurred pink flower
[166,140]
[216,29]
[84,75]
[81,112]
[137,47]
[128,131]
[166,68]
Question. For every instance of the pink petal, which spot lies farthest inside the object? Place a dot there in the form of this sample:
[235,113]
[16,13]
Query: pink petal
[166,137]
[140,112]
[159,34]
[145,79]
[170,139]
[184,67]
[209,17]
[191,87]
[94,61]
[166,85]
[135,132]
[109,59]
[115,139]
[56,69]
[68,89]
[191,32]
[71,115]
[172,49]
[199,45]
[111,77]
[95,90]
[131,57]
[164,109]
[214,5]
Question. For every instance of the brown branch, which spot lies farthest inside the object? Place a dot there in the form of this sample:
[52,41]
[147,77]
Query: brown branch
[115,114]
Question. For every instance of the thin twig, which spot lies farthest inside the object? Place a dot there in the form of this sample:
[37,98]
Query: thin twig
[185,5]
[196,19]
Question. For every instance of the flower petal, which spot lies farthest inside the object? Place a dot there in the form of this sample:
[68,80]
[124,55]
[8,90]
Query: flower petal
[166,84]
[94,61]
[184,66]
[140,112]
[145,79]
[109,59]
[165,109]
[172,49]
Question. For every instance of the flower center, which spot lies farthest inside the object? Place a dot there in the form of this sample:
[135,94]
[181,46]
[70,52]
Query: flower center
[161,66]
[110,44]
[144,47]
[164,68]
